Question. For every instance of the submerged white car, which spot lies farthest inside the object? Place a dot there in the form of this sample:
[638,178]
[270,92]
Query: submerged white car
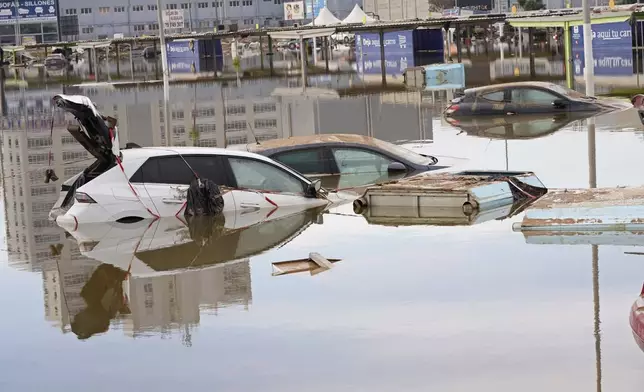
[133,184]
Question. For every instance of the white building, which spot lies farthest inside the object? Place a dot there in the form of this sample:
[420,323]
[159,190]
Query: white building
[171,302]
[104,19]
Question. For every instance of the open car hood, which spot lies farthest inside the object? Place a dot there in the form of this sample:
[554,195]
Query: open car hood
[97,134]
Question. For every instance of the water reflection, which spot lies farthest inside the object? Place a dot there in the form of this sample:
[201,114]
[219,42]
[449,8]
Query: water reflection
[346,307]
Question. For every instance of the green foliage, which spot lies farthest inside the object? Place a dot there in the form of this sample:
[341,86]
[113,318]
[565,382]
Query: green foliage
[194,135]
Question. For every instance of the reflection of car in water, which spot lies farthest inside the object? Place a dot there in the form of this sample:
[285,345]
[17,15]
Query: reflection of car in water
[345,161]
[528,98]
[522,126]
[149,247]
[104,298]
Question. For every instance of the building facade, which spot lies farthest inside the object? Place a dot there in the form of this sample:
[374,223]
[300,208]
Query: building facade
[103,19]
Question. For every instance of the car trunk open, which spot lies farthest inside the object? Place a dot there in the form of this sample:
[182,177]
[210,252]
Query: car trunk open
[97,134]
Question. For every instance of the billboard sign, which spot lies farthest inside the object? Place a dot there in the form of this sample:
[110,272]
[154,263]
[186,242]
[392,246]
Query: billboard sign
[313,8]
[394,41]
[612,49]
[173,19]
[28,11]
[399,52]
[475,5]
[294,10]
[182,49]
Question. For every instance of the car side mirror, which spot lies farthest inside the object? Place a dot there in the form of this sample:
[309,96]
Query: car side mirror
[396,166]
[313,188]
[559,103]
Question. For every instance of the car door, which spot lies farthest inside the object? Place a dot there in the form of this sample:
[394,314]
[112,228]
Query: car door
[492,103]
[534,100]
[264,188]
[358,167]
[166,180]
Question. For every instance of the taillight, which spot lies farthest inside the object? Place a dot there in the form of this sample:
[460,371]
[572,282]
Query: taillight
[83,198]
[451,109]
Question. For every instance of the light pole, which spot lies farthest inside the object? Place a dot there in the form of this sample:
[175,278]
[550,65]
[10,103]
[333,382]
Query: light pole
[16,5]
[589,69]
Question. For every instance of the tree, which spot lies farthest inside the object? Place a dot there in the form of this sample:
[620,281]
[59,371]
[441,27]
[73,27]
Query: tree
[531,5]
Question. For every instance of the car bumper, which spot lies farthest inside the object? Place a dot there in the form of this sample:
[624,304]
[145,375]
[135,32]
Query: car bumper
[81,213]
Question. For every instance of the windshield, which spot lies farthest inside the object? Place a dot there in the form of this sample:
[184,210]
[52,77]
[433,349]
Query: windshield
[404,153]
[566,92]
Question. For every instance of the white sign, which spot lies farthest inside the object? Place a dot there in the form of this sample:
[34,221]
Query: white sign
[173,19]
[294,10]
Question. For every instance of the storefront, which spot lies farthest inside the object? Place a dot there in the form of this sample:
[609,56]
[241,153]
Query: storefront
[34,22]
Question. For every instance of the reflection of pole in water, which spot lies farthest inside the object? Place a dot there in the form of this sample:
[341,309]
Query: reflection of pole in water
[597,331]
[592,154]
[507,159]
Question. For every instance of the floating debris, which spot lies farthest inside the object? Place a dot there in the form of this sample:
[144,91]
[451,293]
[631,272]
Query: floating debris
[314,264]
[469,191]
[440,216]
[601,209]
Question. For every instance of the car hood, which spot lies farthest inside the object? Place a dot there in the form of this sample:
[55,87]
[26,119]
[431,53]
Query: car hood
[98,134]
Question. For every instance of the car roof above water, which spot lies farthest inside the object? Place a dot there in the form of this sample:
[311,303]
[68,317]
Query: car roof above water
[492,87]
[311,139]
[147,152]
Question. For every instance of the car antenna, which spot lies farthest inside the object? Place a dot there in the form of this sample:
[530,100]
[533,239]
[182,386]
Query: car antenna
[252,131]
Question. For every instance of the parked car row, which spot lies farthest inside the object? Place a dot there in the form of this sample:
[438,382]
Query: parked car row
[137,183]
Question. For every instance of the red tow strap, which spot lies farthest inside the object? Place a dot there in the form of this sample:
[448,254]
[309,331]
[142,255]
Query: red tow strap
[118,160]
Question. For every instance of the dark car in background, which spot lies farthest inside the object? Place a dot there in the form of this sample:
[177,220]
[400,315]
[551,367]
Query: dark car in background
[528,98]
[344,160]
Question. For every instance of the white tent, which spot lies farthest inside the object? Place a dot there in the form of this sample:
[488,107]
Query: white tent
[326,18]
[357,15]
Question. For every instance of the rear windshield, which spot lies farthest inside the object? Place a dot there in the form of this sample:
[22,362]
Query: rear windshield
[404,153]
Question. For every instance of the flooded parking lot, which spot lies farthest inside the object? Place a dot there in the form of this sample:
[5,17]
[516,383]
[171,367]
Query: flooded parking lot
[416,307]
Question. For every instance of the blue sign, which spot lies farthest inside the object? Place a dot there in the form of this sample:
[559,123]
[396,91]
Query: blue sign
[183,65]
[444,76]
[395,41]
[612,49]
[313,8]
[395,64]
[183,49]
[28,10]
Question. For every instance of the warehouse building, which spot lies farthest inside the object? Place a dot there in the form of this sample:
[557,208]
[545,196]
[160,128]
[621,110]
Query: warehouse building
[80,20]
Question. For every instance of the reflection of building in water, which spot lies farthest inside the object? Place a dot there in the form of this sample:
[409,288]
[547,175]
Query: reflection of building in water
[64,276]
[35,243]
[166,302]
[222,116]
[26,148]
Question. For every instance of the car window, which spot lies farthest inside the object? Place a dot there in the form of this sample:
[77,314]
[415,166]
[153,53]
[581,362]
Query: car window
[353,160]
[252,174]
[497,96]
[174,170]
[309,161]
[532,96]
